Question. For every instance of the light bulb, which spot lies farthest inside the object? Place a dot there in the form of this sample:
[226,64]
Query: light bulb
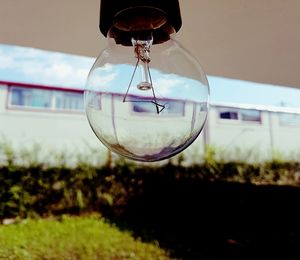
[146,97]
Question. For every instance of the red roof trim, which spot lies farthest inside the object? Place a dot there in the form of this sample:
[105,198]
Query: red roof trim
[27,85]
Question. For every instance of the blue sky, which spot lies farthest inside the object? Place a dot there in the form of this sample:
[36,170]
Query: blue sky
[58,69]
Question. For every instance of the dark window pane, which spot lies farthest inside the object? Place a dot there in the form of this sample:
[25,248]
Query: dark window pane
[17,97]
[229,115]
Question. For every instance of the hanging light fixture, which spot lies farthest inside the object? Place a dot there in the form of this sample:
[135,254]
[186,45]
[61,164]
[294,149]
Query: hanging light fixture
[146,97]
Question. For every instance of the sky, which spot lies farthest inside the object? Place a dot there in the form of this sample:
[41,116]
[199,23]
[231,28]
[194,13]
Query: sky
[28,65]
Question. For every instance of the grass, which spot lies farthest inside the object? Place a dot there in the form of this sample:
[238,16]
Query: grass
[88,237]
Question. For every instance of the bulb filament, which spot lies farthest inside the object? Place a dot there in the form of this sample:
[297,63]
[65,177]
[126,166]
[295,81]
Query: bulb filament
[142,54]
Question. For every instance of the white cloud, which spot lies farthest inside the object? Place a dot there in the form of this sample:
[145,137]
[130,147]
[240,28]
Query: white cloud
[57,73]
[102,78]
[25,53]
[44,67]
[6,61]
[107,68]
[165,84]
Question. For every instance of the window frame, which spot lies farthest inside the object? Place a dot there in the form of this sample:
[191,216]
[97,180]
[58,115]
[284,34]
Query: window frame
[51,108]
[239,112]
[162,114]
[288,124]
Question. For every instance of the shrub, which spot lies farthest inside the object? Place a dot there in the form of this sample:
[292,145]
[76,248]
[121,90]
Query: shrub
[35,188]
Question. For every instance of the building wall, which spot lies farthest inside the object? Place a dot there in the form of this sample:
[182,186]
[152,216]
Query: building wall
[256,141]
[234,139]
[53,131]
[237,140]
[3,94]
[286,137]
[60,131]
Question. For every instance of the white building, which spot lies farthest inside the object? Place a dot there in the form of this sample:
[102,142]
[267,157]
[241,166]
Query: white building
[254,132]
[54,117]
[50,117]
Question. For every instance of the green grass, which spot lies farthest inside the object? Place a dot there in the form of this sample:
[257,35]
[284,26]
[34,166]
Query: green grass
[72,238]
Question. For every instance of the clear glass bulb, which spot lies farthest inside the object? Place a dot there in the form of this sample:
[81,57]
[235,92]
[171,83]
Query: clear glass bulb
[147,101]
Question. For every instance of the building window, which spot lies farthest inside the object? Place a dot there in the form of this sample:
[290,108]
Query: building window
[68,100]
[31,97]
[172,107]
[229,115]
[35,98]
[247,115]
[286,119]
[250,115]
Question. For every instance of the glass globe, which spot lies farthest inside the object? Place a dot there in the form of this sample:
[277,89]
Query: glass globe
[146,101]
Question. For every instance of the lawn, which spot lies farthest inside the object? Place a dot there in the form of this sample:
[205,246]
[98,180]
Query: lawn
[88,237]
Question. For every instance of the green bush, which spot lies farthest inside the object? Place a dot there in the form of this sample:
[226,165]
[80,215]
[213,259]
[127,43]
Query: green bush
[30,191]
[29,187]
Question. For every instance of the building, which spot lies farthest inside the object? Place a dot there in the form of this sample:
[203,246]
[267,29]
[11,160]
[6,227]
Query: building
[54,117]
[254,132]
[49,118]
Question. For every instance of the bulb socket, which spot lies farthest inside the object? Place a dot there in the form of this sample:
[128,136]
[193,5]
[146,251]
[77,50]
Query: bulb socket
[125,19]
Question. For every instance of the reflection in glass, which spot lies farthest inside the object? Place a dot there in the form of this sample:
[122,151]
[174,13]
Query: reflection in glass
[154,98]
